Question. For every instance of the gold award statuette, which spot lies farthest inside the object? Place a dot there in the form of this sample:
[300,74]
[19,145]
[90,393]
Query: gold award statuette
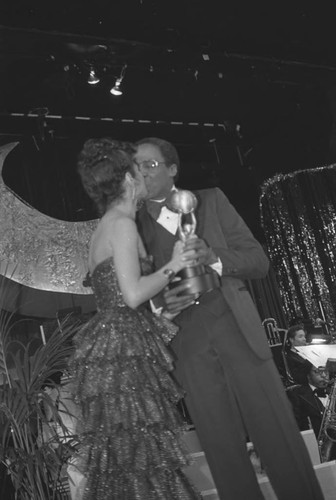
[199,278]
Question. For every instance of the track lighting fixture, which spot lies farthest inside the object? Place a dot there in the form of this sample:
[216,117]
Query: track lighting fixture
[116,90]
[93,78]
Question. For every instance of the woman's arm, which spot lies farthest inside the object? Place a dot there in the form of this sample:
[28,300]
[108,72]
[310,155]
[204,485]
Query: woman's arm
[135,288]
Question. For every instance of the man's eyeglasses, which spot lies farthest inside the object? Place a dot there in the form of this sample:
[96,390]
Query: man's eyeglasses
[149,164]
[321,371]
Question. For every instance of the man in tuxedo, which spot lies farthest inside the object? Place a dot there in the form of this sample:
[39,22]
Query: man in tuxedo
[233,389]
[309,399]
[298,366]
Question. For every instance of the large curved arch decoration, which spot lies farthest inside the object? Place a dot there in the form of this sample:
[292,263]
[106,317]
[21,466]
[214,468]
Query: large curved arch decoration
[43,260]
[37,250]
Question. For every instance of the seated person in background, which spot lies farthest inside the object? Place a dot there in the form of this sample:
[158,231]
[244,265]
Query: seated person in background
[309,399]
[297,365]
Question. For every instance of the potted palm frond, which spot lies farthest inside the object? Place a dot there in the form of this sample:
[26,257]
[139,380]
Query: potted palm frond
[35,441]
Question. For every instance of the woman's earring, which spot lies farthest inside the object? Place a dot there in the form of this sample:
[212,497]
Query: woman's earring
[133,192]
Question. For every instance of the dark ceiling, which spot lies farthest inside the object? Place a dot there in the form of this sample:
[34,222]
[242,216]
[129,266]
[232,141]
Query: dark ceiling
[246,83]
[186,59]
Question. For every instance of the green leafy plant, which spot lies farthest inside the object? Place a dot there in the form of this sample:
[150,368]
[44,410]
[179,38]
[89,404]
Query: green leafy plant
[35,442]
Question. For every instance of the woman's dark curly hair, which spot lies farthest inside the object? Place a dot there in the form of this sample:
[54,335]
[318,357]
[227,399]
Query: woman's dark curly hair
[102,165]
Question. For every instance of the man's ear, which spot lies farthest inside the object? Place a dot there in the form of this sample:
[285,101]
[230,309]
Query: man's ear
[129,178]
[173,170]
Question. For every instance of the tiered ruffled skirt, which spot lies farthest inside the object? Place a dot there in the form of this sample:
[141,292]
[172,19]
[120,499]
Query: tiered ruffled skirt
[130,445]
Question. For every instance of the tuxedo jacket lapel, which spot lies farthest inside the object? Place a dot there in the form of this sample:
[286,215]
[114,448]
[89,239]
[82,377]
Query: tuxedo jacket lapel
[145,227]
[314,402]
[157,240]
[158,243]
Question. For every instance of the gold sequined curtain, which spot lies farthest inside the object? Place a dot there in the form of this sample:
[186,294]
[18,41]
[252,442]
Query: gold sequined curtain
[298,215]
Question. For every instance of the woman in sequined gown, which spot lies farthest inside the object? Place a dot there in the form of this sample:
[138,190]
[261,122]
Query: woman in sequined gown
[130,428]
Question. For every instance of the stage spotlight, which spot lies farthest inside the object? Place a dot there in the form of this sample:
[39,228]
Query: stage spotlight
[318,334]
[116,89]
[93,78]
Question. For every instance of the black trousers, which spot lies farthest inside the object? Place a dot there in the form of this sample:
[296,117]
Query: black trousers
[231,393]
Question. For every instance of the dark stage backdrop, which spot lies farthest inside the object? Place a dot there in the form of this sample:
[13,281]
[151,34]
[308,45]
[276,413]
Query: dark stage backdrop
[42,171]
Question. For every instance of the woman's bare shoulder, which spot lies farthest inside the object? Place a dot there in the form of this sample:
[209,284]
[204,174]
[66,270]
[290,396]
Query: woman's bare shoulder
[117,220]
[109,235]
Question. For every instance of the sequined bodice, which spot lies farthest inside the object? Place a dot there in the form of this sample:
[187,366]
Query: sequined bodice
[105,284]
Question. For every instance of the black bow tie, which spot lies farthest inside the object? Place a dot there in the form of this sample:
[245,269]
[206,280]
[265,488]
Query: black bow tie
[154,207]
